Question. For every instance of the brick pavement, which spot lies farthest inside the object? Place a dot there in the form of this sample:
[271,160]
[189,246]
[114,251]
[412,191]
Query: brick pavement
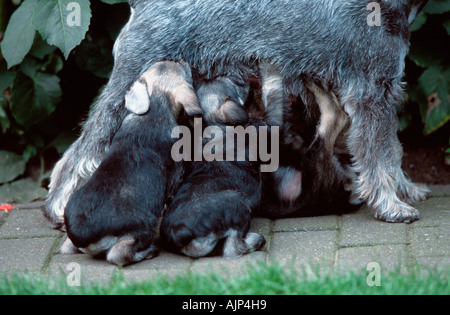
[347,242]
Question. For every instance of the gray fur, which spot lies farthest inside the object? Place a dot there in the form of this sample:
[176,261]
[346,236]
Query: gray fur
[304,39]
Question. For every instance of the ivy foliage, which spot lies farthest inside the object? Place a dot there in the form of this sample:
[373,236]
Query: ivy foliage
[48,49]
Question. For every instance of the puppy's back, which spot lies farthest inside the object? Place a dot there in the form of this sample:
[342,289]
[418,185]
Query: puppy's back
[127,192]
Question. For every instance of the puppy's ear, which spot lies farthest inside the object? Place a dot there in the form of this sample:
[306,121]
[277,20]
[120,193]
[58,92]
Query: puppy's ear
[137,100]
[186,97]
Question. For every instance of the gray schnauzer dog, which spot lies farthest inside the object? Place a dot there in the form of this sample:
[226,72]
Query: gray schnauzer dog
[326,39]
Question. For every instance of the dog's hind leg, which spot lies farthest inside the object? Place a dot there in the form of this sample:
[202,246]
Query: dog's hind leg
[377,156]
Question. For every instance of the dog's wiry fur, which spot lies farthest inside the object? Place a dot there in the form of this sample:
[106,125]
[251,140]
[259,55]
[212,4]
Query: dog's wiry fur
[211,212]
[329,39]
[118,210]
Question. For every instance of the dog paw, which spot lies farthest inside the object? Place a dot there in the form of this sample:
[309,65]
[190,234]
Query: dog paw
[255,241]
[68,248]
[413,193]
[399,213]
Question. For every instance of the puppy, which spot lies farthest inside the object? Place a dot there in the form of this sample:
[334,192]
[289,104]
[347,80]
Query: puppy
[211,212]
[314,178]
[118,210]
[326,39]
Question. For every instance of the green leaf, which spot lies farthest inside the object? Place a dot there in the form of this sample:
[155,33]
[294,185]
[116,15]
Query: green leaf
[418,22]
[11,166]
[40,48]
[447,26]
[6,80]
[95,56]
[21,191]
[62,23]
[62,142]
[437,7]
[19,34]
[435,82]
[4,120]
[429,50]
[34,98]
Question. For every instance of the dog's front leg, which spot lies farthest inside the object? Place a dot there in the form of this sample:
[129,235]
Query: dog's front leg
[84,156]
[377,157]
[81,160]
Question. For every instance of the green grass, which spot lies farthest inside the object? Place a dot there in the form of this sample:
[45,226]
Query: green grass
[261,279]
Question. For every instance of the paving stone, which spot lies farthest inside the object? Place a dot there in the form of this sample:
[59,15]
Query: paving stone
[91,269]
[306,224]
[300,248]
[431,241]
[36,205]
[228,266]
[3,216]
[26,223]
[440,190]
[24,254]
[435,263]
[164,264]
[362,229]
[164,260]
[389,257]
[433,212]
[352,240]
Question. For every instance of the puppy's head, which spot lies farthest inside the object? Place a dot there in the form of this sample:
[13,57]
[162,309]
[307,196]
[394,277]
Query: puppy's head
[170,77]
[222,101]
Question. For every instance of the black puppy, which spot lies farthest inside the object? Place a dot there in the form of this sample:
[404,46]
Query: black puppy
[211,212]
[315,176]
[327,39]
[118,210]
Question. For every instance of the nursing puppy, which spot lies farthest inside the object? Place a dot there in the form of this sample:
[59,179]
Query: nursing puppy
[327,39]
[118,210]
[314,178]
[212,210]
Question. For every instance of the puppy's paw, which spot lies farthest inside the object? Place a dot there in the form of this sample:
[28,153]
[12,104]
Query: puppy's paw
[68,248]
[123,253]
[255,241]
[398,213]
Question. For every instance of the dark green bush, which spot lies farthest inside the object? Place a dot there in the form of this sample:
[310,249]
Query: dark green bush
[56,56]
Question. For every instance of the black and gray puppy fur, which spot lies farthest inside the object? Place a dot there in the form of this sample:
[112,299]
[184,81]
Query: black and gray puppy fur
[328,39]
[118,210]
[314,177]
[212,210]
